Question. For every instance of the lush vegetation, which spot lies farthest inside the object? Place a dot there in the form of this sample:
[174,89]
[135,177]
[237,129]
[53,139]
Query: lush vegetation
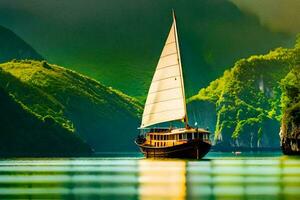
[13,47]
[23,133]
[246,99]
[107,119]
[290,100]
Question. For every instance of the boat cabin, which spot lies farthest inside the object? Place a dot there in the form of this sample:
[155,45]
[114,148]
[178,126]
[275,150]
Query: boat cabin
[163,137]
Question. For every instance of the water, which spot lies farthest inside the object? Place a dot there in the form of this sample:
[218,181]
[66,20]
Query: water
[218,176]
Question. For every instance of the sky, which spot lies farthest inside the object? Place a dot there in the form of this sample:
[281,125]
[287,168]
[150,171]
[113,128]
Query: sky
[278,15]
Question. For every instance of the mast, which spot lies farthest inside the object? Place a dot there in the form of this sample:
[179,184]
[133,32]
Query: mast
[180,66]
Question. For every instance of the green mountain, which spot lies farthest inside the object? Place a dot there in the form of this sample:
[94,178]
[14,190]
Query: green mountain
[13,47]
[104,117]
[119,42]
[23,133]
[245,101]
[290,99]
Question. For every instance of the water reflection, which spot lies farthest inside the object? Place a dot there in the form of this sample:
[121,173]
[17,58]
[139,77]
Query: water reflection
[136,178]
[162,179]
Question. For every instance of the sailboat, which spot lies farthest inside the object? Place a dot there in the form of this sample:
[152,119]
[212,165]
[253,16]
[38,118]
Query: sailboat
[166,103]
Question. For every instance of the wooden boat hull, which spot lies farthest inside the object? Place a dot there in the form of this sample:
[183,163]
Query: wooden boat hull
[195,149]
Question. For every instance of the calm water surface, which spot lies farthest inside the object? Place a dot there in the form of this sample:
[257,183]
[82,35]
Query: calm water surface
[218,176]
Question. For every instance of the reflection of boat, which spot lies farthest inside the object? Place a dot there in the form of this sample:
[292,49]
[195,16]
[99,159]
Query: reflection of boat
[166,103]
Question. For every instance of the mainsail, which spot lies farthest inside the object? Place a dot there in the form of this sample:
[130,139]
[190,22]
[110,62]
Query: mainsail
[166,98]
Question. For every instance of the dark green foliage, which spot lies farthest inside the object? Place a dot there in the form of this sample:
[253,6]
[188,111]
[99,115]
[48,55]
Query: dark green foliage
[290,100]
[107,119]
[24,134]
[247,99]
[13,47]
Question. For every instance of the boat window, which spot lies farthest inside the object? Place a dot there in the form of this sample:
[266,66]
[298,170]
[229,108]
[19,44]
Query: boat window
[184,136]
[189,136]
[180,136]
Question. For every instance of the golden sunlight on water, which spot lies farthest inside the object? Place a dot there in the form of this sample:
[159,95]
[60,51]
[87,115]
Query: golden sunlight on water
[162,179]
[217,177]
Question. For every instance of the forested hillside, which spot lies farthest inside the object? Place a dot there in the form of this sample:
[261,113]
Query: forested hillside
[106,118]
[246,100]
[23,133]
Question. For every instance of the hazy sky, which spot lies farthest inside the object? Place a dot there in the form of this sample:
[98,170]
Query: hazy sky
[279,15]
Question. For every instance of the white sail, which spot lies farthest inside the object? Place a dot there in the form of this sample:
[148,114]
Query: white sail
[166,99]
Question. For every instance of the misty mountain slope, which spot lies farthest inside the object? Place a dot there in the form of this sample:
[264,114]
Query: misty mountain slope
[119,42]
[25,134]
[247,99]
[13,47]
[105,118]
